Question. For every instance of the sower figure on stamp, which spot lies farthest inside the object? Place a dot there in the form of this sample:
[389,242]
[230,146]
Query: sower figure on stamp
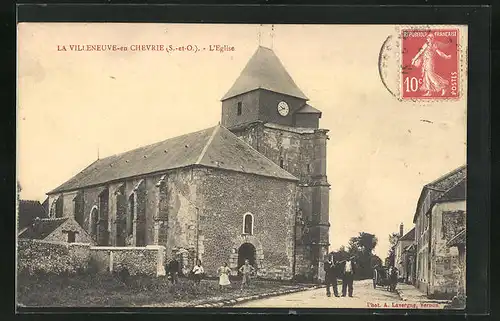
[431,81]
[331,271]
[349,269]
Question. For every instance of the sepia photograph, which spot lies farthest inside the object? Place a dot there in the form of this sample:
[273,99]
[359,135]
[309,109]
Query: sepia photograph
[183,165]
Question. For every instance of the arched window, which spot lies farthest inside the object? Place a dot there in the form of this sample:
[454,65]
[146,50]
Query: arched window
[56,209]
[121,216]
[248,224]
[94,218]
[131,214]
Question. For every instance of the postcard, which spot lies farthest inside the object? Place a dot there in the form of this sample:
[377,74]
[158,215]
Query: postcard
[241,165]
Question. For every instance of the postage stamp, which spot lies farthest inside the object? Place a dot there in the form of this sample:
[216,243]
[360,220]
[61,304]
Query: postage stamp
[430,63]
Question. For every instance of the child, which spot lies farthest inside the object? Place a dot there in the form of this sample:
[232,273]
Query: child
[224,272]
[198,272]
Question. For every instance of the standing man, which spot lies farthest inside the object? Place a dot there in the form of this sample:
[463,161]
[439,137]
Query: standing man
[330,268]
[173,270]
[348,276]
[246,271]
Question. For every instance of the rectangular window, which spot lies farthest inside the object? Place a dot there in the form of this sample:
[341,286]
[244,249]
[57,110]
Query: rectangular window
[308,168]
[71,237]
[239,108]
[282,162]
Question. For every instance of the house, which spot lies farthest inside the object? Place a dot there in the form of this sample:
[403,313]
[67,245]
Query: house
[409,264]
[63,229]
[253,187]
[458,241]
[401,257]
[439,216]
[29,210]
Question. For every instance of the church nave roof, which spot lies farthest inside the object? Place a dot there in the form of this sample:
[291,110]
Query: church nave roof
[214,147]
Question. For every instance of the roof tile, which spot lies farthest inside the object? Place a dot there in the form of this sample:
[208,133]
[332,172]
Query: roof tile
[40,229]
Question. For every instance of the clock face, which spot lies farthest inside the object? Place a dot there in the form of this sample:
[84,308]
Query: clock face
[283,108]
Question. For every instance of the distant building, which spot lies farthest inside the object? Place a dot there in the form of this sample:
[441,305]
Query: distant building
[399,260]
[28,211]
[409,264]
[439,216]
[64,229]
[253,187]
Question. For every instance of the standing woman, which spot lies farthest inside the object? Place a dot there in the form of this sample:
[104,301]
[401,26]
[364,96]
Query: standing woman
[198,272]
[224,272]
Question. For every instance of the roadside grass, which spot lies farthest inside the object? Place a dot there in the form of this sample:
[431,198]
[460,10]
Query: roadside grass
[105,290]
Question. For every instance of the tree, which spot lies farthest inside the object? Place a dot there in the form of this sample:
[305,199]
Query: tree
[361,247]
[393,240]
[340,255]
[376,261]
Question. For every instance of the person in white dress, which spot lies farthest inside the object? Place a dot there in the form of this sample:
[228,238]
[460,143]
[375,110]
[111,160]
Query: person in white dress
[425,58]
[223,273]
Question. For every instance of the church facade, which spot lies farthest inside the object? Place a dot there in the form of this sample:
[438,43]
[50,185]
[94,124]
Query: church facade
[253,187]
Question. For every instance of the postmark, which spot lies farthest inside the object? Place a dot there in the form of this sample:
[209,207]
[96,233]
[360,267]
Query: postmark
[430,64]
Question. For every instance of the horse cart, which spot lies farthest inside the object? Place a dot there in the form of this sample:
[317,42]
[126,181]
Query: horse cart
[384,277]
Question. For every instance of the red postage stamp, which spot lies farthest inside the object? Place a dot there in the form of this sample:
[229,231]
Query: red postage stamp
[430,66]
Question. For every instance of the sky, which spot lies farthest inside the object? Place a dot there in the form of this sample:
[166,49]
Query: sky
[76,105]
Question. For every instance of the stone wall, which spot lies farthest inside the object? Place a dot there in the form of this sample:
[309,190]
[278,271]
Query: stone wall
[149,260]
[447,219]
[272,204]
[302,152]
[35,256]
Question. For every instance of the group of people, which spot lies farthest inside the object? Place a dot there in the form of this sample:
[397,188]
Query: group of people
[173,271]
[345,270]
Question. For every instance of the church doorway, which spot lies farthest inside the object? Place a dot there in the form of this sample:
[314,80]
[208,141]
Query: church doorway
[246,251]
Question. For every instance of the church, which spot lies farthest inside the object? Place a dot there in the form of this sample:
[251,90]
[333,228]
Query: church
[253,187]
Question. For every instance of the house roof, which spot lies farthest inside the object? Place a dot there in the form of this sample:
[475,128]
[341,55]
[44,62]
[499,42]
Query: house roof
[448,180]
[441,186]
[308,109]
[43,228]
[456,193]
[264,70]
[28,211]
[213,147]
[410,236]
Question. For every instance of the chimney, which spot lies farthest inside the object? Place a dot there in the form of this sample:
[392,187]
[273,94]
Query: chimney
[401,230]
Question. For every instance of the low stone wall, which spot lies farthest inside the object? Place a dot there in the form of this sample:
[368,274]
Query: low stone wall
[36,256]
[147,260]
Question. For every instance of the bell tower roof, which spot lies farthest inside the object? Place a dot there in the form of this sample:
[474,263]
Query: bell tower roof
[264,71]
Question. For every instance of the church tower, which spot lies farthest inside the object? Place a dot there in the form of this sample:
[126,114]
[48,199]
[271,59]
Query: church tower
[267,109]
